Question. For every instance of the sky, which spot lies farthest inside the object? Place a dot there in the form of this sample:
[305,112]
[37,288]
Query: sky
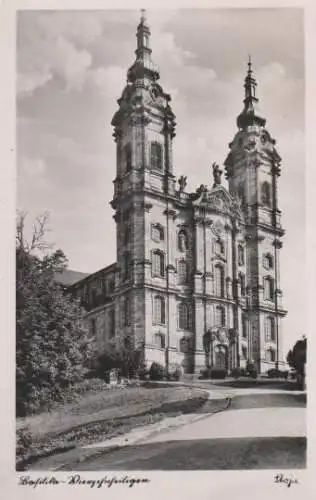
[71,69]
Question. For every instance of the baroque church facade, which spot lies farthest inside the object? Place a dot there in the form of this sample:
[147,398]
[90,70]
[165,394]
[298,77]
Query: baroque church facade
[197,277]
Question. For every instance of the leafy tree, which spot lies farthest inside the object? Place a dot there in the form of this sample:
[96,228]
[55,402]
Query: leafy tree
[123,355]
[53,349]
[296,357]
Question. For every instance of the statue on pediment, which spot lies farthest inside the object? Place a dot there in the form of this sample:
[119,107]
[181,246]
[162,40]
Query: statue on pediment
[182,181]
[201,189]
[217,174]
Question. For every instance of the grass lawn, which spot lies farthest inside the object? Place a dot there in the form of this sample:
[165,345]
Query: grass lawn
[103,414]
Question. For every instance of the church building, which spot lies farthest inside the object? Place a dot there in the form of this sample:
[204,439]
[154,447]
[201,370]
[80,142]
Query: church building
[197,278]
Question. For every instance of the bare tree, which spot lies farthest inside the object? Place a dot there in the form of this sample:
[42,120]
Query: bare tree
[40,228]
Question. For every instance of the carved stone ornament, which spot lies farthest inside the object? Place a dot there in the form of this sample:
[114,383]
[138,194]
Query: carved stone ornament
[218,227]
[222,335]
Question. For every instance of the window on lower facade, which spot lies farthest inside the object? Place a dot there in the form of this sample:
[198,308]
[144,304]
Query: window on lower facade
[128,157]
[127,312]
[219,281]
[244,352]
[158,263]
[93,327]
[112,323]
[242,282]
[126,271]
[270,329]
[244,327]
[159,315]
[127,234]
[220,316]
[160,340]
[185,316]
[182,272]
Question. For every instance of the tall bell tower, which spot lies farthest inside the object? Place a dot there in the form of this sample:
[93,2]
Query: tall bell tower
[144,128]
[253,171]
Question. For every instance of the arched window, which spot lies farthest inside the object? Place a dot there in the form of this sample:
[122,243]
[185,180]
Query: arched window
[182,272]
[270,329]
[126,268]
[220,317]
[128,157]
[244,327]
[241,255]
[266,194]
[270,354]
[244,352]
[182,240]
[127,234]
[159,310]
[158,263]
[93,328]
[219,281]
[242,282]
[111,322]
[219,247]
[268,261]
[156,156]
[160,340]
[241,193]
[111,285]
[157,232]
[127,311]
[185,316]
[268,288]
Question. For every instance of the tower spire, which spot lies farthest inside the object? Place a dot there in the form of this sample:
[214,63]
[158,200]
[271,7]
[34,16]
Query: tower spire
[143,66]
[249,116]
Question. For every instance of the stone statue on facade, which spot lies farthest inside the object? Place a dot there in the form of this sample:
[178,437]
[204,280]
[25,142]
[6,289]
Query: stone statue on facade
[217,174]
[182,181]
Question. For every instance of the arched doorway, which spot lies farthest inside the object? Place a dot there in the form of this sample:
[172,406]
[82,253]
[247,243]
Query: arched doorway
[220,357]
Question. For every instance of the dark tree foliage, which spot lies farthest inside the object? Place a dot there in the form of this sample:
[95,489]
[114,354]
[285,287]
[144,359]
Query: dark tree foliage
[53,349]
[296,357]
[125,356]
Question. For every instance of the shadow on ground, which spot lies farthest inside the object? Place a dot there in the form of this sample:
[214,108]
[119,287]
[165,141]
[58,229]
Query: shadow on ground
[206,454]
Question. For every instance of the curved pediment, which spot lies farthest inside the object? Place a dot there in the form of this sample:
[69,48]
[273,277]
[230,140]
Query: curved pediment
[218,199]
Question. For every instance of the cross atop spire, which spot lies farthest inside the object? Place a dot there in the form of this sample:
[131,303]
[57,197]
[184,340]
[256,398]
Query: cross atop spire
[143,15]
[249,64]
[248,116]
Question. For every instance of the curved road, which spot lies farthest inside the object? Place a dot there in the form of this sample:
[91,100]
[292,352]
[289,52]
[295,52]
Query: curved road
[265,430]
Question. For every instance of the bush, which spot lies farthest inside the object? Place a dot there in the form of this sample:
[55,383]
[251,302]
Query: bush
[156,371]
[238,372]
[218,373]
[205,373]
[176,373]
[251,370]
[274,373]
